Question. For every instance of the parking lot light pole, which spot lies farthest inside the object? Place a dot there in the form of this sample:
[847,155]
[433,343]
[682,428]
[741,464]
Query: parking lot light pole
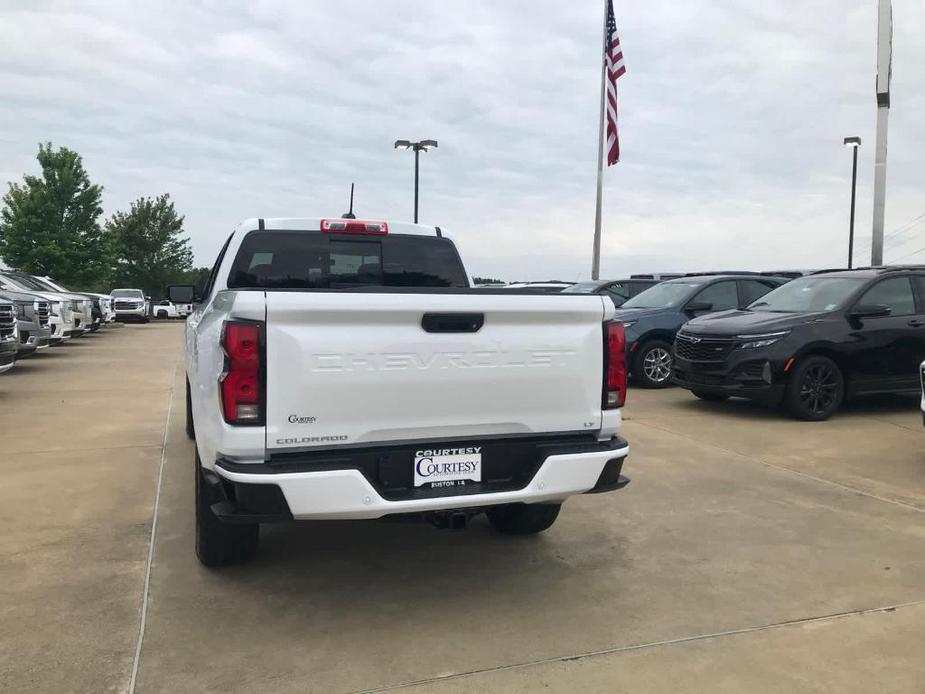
[418,147]
[854,143]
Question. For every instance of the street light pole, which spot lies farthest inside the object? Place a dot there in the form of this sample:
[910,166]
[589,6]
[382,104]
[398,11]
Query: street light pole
[418,147]
[854,143]
[417,170]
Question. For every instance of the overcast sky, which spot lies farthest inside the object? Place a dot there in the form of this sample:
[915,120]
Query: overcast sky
[732,118]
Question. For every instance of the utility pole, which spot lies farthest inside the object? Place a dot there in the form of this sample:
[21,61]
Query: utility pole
[854,143]
[884,73]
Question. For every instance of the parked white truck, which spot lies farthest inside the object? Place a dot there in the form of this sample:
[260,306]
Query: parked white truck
[130,305]
[342,369]
[66,312]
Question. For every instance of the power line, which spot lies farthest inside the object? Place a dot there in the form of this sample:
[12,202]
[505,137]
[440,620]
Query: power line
[908,255]
[905,227]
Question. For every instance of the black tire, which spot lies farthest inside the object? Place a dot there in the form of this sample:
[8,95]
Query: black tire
[145,320]
[710,397]
[190,427]
[523,519]
[161,314]
[218,543]
[815,390]
[649,366]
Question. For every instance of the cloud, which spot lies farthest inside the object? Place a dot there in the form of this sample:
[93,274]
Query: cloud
[732,117]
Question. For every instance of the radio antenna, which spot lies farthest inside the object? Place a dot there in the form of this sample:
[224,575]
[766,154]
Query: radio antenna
[349,214]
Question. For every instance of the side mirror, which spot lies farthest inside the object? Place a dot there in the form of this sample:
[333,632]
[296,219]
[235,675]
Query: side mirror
[698,307]
[870,311]
[182,293]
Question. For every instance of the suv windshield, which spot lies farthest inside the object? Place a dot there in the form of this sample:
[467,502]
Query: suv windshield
[127,294]
[313,260]
[663,295]
[809,294]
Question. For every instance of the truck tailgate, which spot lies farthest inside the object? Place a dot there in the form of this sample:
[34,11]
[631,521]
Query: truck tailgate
[358,368]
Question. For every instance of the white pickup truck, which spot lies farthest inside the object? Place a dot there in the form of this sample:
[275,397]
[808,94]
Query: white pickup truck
[344,369]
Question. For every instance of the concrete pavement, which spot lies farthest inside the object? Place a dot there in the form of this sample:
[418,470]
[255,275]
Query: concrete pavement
[750,553]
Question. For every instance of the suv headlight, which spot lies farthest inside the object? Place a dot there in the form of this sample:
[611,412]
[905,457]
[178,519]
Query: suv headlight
[20,311]
[54,308]
[761,340]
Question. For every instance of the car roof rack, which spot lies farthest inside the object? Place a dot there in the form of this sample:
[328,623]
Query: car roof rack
[869,268]
[754,273]
[656,276]
[898,268]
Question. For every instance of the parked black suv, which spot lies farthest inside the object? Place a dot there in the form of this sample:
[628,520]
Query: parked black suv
[812,342]
[619,291]
[652,318]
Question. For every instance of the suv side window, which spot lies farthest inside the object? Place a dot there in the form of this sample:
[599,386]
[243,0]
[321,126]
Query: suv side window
[752,290]
[895,292]
[723,295]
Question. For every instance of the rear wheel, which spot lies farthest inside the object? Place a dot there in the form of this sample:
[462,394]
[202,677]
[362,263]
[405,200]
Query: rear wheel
[523,519]
[652,368]
[710,397]
[218,543]
[161,314]
[190,427]
[815,390]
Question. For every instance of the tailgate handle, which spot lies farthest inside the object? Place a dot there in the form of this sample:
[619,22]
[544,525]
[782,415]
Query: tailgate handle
[453,322]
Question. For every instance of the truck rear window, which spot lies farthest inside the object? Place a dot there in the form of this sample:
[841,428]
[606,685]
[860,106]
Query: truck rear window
[313,260]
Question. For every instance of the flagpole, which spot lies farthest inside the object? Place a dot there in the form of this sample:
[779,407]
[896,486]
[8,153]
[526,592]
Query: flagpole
[596,257]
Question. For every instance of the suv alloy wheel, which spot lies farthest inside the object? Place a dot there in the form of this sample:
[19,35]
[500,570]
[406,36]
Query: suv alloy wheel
[653,365]
[816,389]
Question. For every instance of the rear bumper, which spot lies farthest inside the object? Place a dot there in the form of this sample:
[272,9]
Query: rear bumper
[348,494]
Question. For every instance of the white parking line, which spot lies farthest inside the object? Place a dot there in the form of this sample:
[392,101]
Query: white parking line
[157,500]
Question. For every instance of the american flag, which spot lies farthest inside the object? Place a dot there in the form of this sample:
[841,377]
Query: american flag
[613,62]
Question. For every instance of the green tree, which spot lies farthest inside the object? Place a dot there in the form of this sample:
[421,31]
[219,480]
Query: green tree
[149,246]
[198,277]
[49,224]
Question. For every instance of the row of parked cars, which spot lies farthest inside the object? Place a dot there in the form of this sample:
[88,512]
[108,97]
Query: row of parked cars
[37,313]
[809,341]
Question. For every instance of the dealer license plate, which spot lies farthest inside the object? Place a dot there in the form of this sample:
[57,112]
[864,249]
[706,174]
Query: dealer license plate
[447,467]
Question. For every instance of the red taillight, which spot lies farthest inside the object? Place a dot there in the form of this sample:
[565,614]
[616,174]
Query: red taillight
[353,226]
[614,366]
[242,396]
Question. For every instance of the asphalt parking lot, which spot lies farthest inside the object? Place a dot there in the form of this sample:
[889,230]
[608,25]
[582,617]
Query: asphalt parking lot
[750,553]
